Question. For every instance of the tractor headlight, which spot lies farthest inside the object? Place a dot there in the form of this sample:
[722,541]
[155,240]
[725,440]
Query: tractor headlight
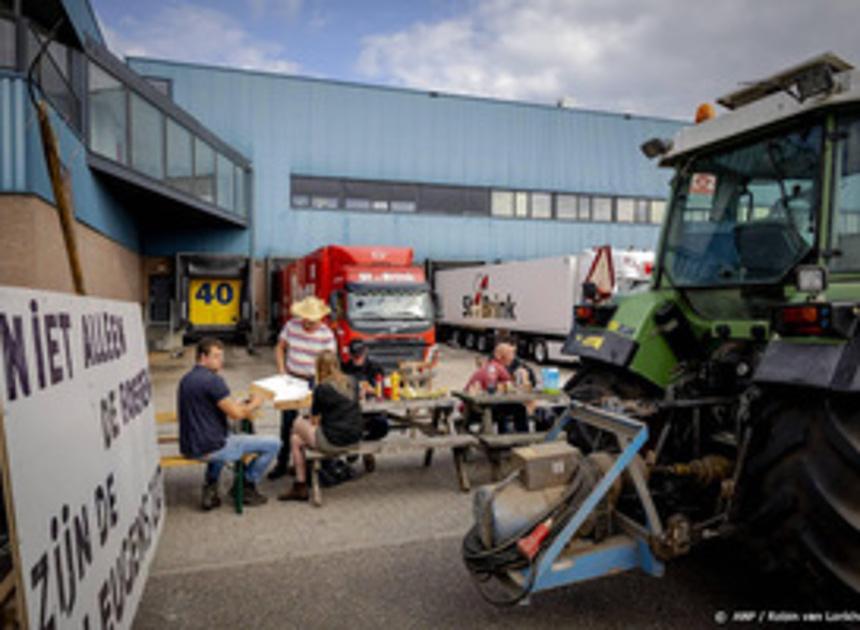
[811,279]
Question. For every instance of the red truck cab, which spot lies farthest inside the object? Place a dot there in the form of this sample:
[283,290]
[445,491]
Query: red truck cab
[376,294]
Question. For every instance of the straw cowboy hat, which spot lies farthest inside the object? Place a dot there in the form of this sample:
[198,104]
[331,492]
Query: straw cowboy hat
[311,308]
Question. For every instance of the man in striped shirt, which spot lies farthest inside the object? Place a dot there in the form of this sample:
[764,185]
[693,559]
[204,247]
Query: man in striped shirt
[302,338]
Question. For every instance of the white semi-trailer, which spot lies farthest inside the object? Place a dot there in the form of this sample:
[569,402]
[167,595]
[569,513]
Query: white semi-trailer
[533,300]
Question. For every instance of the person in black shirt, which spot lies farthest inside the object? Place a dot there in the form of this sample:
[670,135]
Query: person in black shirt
[361,367]
[204,404]
[365,372]
[335,420]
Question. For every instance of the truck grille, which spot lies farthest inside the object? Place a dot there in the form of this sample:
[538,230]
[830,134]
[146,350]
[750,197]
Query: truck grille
[389,352]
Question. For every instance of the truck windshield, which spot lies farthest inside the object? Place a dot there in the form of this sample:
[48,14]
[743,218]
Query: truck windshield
[388,305]
[747,214]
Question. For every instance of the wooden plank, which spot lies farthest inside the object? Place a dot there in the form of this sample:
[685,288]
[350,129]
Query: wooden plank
[7,587]
[509,440]
[62,187]
[487,400]
[460,468]
[407,404]
[178,461]
[9,506]
[393,446]
[165,417]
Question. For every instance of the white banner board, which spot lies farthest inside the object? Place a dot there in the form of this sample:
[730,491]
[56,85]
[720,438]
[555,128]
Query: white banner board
[82,456]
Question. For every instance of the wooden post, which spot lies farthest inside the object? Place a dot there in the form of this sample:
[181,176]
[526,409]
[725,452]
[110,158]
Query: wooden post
[62,194]
[16,583]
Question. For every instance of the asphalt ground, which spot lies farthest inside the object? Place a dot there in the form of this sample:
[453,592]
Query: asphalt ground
[384,551]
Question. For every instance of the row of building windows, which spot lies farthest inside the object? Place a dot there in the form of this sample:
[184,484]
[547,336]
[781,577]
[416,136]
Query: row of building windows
[325,193]
[123,126]
[59,71]
[128,129]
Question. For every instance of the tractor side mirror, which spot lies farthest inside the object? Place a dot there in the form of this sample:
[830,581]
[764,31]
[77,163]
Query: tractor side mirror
[656,147]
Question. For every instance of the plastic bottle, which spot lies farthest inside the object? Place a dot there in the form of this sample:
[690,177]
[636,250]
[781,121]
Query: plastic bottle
[386,388]
[395,386]
[551,380]
[378,385]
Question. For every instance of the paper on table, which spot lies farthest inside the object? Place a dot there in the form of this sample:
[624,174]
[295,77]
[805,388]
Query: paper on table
[282,388]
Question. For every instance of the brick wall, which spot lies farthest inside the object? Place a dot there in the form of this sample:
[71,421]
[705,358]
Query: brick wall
[33,253]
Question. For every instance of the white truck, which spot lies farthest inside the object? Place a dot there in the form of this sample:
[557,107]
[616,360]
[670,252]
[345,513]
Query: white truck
[533,300]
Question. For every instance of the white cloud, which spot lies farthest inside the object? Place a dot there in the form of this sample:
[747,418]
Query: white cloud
[278,8]
[189,32]
[658,57]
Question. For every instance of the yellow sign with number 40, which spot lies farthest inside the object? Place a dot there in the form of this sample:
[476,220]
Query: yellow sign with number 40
[213,301]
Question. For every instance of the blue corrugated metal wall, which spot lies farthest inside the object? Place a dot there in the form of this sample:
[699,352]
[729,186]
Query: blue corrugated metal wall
[13,147]
[22,165]
[306,126]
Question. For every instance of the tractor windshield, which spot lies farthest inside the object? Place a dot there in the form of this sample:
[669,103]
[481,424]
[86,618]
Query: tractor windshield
[747,214]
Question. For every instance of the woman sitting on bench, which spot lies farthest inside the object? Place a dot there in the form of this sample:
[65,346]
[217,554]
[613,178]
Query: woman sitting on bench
[335,422]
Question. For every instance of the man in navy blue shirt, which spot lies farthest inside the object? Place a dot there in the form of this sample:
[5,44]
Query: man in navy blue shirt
[204,404]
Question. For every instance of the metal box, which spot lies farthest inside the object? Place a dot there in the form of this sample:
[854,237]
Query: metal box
[547,464]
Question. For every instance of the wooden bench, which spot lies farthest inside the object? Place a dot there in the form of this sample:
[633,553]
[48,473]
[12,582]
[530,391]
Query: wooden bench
[457,443]
[180,461]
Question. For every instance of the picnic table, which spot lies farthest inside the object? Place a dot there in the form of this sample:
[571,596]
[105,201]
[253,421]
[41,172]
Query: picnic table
[428,415]
[430,425]
[484,402]
[496,445]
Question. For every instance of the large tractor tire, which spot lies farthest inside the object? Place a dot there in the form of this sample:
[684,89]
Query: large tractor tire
[800,493]
[593,385]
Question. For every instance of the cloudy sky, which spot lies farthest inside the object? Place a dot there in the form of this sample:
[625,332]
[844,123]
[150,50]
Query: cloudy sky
[653,57]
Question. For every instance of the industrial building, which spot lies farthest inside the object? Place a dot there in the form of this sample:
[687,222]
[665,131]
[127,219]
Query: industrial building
[181,171]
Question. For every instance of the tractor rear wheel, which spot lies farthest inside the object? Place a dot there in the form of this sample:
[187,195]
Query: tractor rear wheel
[593,385]
[800,493]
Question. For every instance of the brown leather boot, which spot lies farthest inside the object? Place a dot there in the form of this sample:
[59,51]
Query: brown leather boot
[299,492]
[369,463]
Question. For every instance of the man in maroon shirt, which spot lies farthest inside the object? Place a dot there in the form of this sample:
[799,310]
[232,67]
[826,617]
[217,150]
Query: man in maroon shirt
[493,372]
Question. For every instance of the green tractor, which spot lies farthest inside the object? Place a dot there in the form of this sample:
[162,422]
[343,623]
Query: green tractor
[724,399]
[746,348]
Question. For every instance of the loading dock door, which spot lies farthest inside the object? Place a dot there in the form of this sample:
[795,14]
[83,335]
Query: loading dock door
[214,301]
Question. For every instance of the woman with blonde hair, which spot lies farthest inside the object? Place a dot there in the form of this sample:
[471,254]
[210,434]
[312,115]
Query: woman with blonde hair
[335,421]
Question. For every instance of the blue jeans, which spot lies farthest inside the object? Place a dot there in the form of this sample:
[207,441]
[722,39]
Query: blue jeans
[238,445]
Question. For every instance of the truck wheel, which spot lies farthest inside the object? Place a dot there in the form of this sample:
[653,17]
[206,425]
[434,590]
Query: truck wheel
[541,352]
[458,337]
[470,340]
[800,503]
